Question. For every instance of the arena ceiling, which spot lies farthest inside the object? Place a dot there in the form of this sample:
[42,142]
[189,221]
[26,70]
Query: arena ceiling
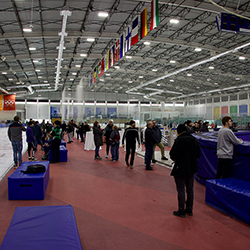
[176,66]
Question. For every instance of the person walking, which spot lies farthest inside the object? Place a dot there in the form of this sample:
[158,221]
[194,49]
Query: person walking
[159,144]
[185,153]
[69,130]
[115,143]
[150,142]
[107,132]
[56,135]
[225,148]
[15,136]
[31,141]
[130,135]
[97,139]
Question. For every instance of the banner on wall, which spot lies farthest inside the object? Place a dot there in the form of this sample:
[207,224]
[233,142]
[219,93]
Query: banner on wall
[100,111]
[89,111]
[216,113]
[224,110]
[55,112]
[7,102]
[243,110]
[111,112]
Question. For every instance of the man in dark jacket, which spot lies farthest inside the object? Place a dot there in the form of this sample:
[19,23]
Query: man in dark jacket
[131,135]
[31,141]
[56,135]
[38,134]
[204,127]
[158,143]
[107,132]
[185,152]
[150,142]
[15,136]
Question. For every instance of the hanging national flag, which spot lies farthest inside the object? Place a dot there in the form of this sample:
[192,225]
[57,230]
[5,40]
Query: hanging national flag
[117,50]
[108,56]
[154,14]
[122,45]
[135,35]
[105,63]
[102,68]
[97,71]
[112,58]
[128,39]
[94,77]
[90,79]
[144,23]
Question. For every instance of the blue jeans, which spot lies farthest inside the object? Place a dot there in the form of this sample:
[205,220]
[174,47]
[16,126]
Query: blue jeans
[17,148]
[69,136]
[148,156]
[96,150]
[115,151]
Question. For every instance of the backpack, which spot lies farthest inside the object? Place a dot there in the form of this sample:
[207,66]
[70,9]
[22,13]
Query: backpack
[34,169]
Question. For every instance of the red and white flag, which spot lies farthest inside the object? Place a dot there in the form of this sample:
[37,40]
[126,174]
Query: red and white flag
[135,32]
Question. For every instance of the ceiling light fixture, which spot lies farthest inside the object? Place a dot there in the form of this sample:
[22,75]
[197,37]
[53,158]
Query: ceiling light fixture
[141,76]
[130,81]
[32,48]
[189,74]
[242,57]
[146,43]
[154,70]
[37,70]
[45,81]
[71,79]
[27,30]
[197,49]
[103,14]
[90,39]
[35,61]
[4,73]
[237,79]
[74,73]
[65,14]
[40,77]
[10,79]
[117,67]
[174,21]
[129,57]
[107,74]
[171,80]
[172,61]
[78,66]
[211,67]
[83,55]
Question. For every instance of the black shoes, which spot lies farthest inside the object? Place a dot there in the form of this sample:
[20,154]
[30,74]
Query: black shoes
[97,157]
[164,158]
[149,169]
[127,164]
[189,213]
[180,214]
[154,161]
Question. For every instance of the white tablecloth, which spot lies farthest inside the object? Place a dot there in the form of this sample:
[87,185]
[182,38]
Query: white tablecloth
[75,134]
[89,141]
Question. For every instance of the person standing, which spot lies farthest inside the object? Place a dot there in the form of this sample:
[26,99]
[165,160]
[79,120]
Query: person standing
[38,134]
[86,128]
[107,132]
[158,143]
[185,153]
[225,148]
[115,142]
[80,131]
[56,135]
[131,135]
[150,142]
[15,136]
[97,139]
[69,130]
[31,141]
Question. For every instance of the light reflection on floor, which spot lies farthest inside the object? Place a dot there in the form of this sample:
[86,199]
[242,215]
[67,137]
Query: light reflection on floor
[6,153]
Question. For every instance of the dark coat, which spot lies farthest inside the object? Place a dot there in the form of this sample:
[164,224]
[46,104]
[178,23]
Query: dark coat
[108,131]
[204,128]
[37,131]
[185,152]
[150,137]
[157,134]
[97,136]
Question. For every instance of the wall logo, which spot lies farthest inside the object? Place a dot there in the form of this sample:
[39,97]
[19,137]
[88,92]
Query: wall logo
[9,102]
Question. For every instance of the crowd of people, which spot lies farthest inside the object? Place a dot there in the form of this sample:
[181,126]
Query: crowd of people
[184,152]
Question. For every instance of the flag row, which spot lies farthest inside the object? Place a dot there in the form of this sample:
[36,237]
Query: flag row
[130,37]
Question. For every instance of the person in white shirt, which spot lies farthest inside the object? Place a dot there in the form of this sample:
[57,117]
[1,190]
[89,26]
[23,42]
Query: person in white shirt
[225,148]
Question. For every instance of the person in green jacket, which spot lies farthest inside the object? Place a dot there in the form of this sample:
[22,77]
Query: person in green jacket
[56,135]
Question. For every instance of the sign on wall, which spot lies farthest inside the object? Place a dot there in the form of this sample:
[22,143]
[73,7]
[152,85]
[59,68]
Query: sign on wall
[7,102]
[216,113]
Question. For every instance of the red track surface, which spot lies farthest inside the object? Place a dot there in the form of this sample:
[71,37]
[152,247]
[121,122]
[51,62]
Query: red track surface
[119,208]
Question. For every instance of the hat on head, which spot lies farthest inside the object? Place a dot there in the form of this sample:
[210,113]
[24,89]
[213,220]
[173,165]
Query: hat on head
[181,128]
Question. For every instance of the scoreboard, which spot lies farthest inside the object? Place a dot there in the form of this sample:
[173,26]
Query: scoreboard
[233,23]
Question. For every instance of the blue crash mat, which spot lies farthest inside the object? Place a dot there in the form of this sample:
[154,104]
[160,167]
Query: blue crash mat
[231,196]
[208,162]
[42,228]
